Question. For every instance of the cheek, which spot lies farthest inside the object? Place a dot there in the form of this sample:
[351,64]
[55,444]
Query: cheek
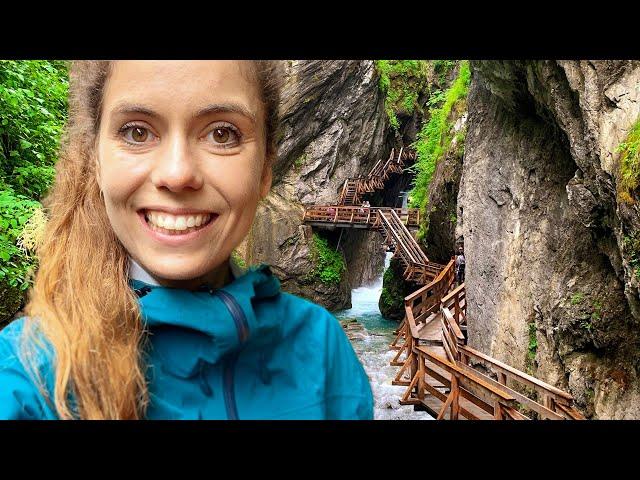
[119,178]
[239,183]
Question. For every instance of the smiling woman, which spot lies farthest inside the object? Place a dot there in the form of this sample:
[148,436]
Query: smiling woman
[136,310]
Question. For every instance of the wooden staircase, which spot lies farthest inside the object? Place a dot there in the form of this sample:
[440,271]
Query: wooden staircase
[355,187]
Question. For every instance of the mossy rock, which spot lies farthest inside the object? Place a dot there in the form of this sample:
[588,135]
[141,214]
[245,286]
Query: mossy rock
[394,289]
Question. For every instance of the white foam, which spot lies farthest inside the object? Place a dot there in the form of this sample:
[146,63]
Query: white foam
[373,351]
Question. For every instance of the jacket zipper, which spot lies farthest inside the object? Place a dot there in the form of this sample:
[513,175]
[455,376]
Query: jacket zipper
[242,326]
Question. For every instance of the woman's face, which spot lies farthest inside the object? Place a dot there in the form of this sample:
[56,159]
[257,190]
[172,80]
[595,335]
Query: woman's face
[181,162]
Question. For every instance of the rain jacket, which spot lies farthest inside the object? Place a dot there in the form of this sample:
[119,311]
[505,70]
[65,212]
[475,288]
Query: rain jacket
[244,351]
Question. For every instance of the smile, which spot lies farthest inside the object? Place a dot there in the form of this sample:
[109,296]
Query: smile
[170,224]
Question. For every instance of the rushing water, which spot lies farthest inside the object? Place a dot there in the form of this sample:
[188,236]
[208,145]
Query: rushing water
[372,346]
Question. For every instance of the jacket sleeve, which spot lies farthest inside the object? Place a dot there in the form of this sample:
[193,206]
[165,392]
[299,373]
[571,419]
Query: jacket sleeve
[20,398]
[348,392]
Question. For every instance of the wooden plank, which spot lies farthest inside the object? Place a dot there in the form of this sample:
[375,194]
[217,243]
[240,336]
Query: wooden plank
[453,293]
[529,403]
[514,414]
[571,412]
[468,378]
[445,406]
[523,377]
[455,403]
[449,343]
[451,323]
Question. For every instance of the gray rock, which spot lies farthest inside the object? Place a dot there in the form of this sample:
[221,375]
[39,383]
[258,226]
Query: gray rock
[334,127]
[543,230]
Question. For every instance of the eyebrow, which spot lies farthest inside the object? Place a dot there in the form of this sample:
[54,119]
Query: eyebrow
[227,108]
[125,108]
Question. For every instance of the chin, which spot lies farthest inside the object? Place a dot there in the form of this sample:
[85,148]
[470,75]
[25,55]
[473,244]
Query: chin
[178,270]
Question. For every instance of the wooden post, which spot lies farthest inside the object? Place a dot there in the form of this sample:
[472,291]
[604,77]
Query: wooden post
[414,360]
[497,411]
[455,402]
[421,388]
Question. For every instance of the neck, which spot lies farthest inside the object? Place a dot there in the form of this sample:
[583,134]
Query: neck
[216,278]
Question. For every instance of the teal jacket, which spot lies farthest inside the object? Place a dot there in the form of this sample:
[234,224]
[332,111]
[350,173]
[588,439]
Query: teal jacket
[245,351]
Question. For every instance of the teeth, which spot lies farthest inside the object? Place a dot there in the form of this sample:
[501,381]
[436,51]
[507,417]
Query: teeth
[176,222]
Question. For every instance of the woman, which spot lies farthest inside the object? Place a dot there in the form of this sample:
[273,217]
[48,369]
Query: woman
[137,311]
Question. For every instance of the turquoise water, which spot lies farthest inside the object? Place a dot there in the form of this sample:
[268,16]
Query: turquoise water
[372,347]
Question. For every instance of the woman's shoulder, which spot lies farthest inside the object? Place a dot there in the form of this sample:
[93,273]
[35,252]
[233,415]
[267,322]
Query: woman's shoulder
[299,310]
[10,338]
[310,323]
[20,397]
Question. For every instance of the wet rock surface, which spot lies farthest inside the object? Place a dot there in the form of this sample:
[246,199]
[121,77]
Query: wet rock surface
[544,232]
[334,127]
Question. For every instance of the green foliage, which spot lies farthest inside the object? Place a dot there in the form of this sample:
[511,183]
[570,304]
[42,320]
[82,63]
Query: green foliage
[632,250]
[15,264]
[442,68]
[33,106]
[587,325]
[33,109]
[394,290]
[297,164]
[238,259]
[329,264]
[577,298]
[629,164]
[533,343]
[435,137]
[391,295]
[402,81]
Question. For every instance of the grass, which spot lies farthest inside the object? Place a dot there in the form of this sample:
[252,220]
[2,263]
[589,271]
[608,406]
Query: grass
[329,264]
[435,137]
[577,298]
[629,165]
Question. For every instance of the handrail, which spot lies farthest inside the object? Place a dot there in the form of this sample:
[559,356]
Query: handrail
[523,377]
[427,287]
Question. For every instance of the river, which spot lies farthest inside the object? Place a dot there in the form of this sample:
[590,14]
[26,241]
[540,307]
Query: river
[371,343]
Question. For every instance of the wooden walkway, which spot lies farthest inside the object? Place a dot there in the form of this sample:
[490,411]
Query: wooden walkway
[441,373]
[354,187]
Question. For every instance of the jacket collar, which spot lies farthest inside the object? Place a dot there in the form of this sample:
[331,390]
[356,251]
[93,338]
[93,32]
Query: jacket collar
[190,328]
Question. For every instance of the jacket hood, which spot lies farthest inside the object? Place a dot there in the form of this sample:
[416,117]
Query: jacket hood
[190,327]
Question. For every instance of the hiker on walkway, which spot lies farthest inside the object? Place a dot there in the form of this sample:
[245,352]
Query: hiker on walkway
[460,266]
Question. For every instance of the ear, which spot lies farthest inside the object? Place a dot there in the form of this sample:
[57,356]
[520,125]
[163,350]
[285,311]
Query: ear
[267,177]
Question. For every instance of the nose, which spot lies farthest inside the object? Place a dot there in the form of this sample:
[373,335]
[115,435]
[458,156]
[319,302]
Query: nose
[176,168]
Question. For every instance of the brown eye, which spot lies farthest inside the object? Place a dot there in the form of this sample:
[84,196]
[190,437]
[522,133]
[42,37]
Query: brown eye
[221,135]
[139,134]
[224,136]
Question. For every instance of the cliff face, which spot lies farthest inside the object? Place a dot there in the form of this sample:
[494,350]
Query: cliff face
[550,277]
[335,127]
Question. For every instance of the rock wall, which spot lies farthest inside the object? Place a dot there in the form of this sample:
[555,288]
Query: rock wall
[544,233]
[334,127]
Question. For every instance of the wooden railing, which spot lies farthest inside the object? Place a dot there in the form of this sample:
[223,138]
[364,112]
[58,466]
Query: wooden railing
[357,216]
[354,187]
[438,308]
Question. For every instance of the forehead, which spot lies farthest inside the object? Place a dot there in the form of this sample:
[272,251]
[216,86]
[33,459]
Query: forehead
[182,84]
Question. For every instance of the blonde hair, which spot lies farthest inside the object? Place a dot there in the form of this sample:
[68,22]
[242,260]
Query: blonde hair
[81,302]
